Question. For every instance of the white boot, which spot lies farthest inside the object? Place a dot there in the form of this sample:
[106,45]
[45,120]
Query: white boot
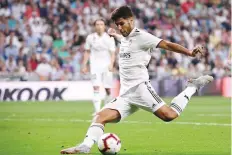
[76,150]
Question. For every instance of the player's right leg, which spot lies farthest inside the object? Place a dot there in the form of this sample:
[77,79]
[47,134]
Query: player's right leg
[112,112]
[94,132]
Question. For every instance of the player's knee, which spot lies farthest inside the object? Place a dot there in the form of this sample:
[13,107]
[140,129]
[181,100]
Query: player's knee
[96,88]
[166,114]
[104,117]
[108,91]
[98,118]
[169,116]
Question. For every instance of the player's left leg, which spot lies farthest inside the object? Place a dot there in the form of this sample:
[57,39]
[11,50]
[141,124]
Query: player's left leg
[146,98]
[108,84]
[178,104]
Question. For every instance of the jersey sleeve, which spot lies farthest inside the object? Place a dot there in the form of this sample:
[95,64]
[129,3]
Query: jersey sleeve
[112,45]
[87,43]
[149,41]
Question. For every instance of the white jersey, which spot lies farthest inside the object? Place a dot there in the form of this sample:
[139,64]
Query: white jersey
[134,56]
[100,51]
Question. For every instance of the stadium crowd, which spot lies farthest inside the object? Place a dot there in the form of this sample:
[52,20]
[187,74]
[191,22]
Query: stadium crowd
[44,39]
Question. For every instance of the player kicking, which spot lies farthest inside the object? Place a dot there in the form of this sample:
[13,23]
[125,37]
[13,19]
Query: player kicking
[136,91]
[100,49]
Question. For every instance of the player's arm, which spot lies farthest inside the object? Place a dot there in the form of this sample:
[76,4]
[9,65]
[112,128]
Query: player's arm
[112,32]
[112,50]
[84,67]
[180,49]
[111,67]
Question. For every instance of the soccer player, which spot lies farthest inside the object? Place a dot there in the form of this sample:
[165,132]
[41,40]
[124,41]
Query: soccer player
[100,49]
[136,91]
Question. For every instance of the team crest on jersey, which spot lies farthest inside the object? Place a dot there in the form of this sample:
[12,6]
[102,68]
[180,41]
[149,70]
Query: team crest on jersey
[125,55]
[130,42]
[136,30]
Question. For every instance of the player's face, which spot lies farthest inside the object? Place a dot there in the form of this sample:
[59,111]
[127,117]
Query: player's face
[125,26]
[100,26]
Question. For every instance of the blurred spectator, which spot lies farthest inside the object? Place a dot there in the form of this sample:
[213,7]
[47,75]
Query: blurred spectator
[2,44]
[30,75]
[31,9]
[57,72]
[21,57]
[67,73]
[2,66]
[44,70]
[14,39]
[21,68]
[33,62]
[75,61]
[31,39]
[11,49]
[37,25]
[187,5]
[77,39]
[47,39]
[19,8]
[67,34]
[11,64]
[5,9]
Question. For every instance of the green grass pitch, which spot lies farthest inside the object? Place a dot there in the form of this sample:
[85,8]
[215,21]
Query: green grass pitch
[44,128]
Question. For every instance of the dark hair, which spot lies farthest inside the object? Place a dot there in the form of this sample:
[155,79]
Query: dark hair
[100,19]
[122,12]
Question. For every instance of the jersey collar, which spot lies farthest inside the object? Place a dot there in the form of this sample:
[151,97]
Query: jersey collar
[132,33]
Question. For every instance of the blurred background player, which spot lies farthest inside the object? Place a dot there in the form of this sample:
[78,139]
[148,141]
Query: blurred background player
[100,52]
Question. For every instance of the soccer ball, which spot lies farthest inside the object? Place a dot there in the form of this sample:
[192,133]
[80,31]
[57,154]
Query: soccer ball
[109,144]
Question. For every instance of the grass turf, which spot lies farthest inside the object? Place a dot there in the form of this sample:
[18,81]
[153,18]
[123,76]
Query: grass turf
[44,128]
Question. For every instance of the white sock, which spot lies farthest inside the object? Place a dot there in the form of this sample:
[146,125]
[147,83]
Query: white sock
[108,98]
[180,102]
[97,101]
[94,132]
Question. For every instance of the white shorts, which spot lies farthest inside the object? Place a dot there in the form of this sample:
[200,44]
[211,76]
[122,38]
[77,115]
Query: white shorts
[141,96]
[104,78]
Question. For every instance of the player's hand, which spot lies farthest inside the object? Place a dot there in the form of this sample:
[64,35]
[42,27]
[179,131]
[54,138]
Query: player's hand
[112,32]
[84,69]
[111,68]
[198,50]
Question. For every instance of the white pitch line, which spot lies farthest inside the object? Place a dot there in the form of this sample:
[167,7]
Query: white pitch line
[125,122]
[202,124]
[179,123]
[214,115]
